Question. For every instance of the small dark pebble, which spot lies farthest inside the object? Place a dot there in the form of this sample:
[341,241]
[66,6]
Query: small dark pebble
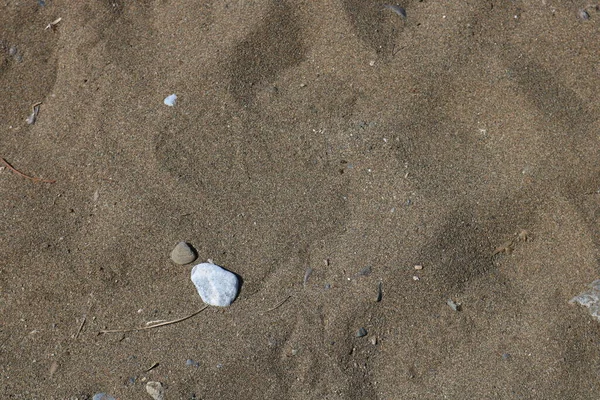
[361,332]
[506,356]
[379,292]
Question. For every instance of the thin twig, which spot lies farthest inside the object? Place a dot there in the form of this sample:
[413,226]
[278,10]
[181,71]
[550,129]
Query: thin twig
[26,176]
[278,304]
[80,328]
[152,367]
[154,326]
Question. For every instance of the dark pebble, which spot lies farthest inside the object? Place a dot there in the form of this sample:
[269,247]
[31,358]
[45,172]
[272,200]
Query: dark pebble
[361,332]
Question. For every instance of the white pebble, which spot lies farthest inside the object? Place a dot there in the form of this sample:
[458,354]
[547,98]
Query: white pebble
[171,100]
[156,390]
[216,286]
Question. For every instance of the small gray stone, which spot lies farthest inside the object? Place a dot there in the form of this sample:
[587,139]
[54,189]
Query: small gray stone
[103,396]
[361,332]
[191,363]
[183,253]
[156,390]
[216,286]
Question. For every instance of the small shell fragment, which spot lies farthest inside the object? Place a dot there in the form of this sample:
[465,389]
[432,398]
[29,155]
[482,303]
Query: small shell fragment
[52,25]
[35,110]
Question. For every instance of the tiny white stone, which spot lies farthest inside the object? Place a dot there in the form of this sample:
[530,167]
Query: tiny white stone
[216,286]
[156,390]
[171,100]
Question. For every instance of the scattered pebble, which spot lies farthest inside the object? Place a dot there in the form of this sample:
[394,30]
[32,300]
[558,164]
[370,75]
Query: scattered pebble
[583,14]
[379,292]
[156,390]
[453,305]
[418,267]
[361,332]
[590,299]
[103,396]
[183,253]
[397,9]
[171,100]
[216,286]
[506,356]
[415,278]
[191,363]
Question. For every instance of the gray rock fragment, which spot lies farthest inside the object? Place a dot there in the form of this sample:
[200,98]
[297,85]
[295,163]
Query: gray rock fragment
[361,332]
[183,253]
[156,390]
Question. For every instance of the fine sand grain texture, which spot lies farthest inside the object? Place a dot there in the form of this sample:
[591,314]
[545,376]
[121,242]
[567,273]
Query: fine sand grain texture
[327,135]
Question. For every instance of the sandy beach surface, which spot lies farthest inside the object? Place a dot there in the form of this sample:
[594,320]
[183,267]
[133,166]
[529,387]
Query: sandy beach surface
[410,202]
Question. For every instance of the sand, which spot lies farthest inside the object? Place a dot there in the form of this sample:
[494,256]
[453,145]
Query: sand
[330,135]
